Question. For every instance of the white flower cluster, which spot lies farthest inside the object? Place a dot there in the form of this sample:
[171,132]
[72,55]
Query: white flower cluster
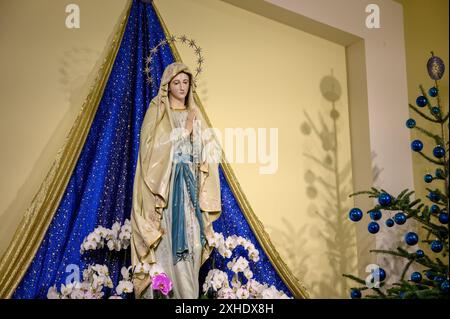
[116,238]
[251,290]
[217,280]
[95,278]
[226,246]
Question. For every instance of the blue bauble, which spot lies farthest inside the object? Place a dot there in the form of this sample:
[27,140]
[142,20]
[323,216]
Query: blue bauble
[428,178]
[434,209]
[380,273]
[355,294]
[389,222]
[420,253]
[373,227]
[411,238]
[444,286]
[355,214]
[433,91]
[439,152]
[384,199]
[439,279]
[421,101]
[435,110]
[410,123]
[375,215]
[443,218]
[430,274]
[436,246]
[434,197]
[400,218]
[416,276]
[417,145]
[439,173]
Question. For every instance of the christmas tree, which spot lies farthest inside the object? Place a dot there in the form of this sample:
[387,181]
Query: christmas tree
[432,280]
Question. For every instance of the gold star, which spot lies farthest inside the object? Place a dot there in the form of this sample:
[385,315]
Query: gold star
[198,50]
[183,39]
[147,70]
[149,81]
[172,38]
[162,42]
[154,50]
[191,43]
[149,59]
[200,60]
[199,70]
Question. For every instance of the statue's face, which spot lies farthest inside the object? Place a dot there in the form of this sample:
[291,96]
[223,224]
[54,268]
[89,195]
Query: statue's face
[179,86]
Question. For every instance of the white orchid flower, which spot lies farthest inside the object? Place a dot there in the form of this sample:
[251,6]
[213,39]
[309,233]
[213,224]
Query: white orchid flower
[94,237]
[242,293]
[66,290]
[248,273]
[125,273]
[124,286]
[226,293]
[52,293]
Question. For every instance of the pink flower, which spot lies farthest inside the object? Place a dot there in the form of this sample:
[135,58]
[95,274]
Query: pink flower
[162,283]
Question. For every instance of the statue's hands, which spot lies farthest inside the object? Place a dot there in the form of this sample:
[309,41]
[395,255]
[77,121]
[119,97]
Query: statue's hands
[192,115]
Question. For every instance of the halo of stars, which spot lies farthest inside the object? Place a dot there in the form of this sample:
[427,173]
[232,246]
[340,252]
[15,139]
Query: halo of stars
[172,39]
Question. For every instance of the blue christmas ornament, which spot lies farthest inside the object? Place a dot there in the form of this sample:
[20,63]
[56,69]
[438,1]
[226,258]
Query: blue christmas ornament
[355,214]
[389,222]
[416,276]
[439,279]
[439,152]
[433,91]
[443,218]
[439,173]
[379,273]
[429,274]
[434,209]
[373,227]
[435,110]
[375,215]
[400,218]
[421,101]
[410,123]
[434,197]
[384,199]
[355,294]
[435,68]
[436,246]
[420,253]
[411,238]
[417,145]
[428,178]
[444,286]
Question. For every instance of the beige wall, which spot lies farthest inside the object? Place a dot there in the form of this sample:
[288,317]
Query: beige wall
[47,71]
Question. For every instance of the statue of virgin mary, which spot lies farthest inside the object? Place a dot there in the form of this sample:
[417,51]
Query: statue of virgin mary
[176,194]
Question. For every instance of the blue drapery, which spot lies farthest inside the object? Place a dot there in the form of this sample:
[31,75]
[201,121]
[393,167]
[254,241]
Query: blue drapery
[100,188]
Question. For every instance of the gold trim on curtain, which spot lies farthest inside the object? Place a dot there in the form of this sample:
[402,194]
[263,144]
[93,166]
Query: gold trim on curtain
[34,224]
[292,282]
